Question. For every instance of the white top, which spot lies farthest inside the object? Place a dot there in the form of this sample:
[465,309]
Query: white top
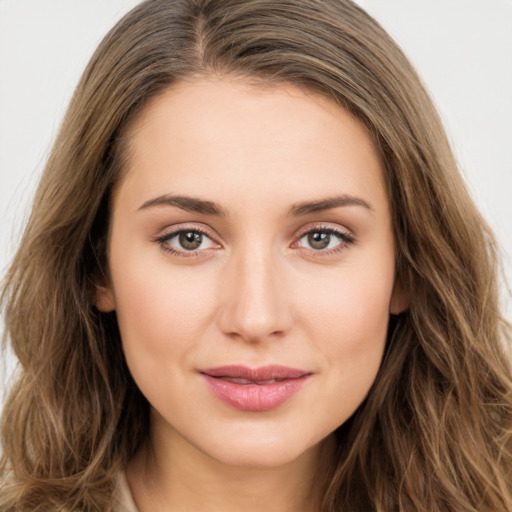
[123,496]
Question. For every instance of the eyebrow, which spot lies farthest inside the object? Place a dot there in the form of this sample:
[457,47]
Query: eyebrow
[196,205]
[189,204]
[321,205]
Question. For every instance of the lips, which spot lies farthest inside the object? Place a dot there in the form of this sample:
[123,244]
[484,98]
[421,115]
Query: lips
[259,389]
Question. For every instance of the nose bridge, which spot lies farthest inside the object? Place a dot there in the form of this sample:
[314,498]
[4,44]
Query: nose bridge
[254,305]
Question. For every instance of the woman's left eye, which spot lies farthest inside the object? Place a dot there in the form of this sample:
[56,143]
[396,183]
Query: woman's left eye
[324,239]
[186,241]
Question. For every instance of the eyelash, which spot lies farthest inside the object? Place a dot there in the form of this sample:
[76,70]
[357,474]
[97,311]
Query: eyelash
[346,239]
[164,239]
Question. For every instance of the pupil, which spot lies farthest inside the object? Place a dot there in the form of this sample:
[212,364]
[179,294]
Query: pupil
[319,240]
[190,240]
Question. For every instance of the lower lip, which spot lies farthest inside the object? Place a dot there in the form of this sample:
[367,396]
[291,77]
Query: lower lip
[254,397]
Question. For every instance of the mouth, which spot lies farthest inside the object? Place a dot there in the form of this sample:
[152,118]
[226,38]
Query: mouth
[259,389]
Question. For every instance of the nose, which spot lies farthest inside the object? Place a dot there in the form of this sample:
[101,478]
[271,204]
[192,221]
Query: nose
[255,305]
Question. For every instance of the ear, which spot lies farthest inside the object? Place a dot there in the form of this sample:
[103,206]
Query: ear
[400,298]
[104,299]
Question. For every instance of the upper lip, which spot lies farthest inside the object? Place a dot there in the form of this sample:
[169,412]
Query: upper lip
[262,373]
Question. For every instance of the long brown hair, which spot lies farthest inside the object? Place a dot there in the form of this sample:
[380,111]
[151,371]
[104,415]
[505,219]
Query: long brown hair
[435,432]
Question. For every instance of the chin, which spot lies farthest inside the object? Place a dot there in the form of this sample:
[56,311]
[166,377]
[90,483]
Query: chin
[264,452]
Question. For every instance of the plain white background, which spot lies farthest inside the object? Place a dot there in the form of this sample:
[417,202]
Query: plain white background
[461,48]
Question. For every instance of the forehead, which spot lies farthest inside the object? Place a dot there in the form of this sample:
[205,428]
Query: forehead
[216,135]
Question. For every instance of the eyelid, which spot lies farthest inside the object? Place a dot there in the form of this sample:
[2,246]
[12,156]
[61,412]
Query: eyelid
[346,236]
[324,226]
[174,230]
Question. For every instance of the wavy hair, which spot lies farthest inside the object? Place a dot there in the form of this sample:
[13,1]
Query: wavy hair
[435,432]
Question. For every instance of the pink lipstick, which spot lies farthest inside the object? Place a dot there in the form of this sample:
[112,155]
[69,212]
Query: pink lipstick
[259,389]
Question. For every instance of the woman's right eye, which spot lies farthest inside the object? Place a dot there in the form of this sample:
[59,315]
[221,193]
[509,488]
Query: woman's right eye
[186,242]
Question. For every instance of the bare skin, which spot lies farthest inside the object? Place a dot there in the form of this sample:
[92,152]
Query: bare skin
[252,228]
[195,483]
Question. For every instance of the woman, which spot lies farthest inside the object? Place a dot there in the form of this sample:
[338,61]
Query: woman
[253,278]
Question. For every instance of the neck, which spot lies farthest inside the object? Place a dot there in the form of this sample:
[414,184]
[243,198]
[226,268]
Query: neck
[174,476]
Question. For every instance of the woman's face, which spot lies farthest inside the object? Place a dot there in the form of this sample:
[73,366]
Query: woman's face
[251,261]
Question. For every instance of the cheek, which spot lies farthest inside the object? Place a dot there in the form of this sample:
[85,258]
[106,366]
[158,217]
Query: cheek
[348,323]
[351,335]
[350,307]
[161,312]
